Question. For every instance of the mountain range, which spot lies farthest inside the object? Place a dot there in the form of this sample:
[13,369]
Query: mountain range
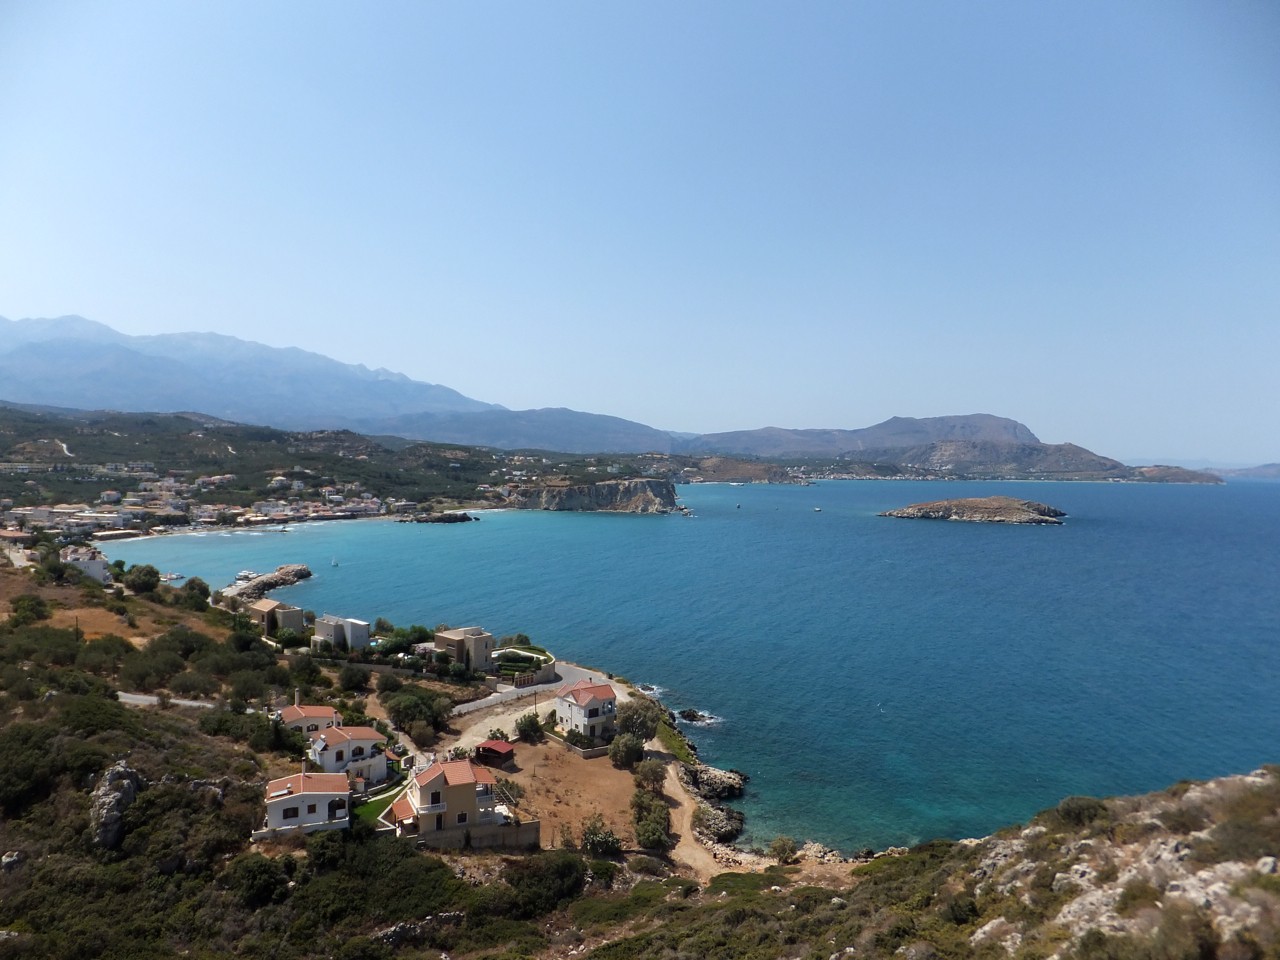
[71,362]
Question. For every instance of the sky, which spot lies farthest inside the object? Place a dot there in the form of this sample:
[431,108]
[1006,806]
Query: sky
[705,217]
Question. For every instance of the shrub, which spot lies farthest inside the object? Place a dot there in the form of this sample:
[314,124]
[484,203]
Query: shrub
[389,683]
[782,849]
[597,839]
[544,881]
[1080,811]
[648,866]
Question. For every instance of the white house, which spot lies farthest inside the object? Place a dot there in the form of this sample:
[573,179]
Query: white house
[307,802]
[351,751]
[88,560]
[588,707]
[343,632]
[309,719]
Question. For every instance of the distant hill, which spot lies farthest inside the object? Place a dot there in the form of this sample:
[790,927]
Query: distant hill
[1267,471]
[894,433]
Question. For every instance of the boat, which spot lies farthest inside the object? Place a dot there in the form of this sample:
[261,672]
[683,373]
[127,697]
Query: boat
[817,509]
[171,577]
[244,576]
[333,562]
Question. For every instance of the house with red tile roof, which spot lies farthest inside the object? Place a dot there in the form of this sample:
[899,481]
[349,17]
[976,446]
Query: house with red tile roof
[455,804]
[356,752]
[306,802]
[310,719]
[590,707]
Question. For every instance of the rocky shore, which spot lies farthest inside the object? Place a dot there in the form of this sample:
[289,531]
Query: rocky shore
[981,510]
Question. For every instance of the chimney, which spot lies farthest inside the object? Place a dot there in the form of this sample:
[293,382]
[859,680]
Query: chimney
[297,696]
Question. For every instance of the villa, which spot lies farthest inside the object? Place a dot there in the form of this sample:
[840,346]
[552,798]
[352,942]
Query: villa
[343,633]
[306,802]
[456,804]
[587,707]
[272,616]
[352,751]
[472,646]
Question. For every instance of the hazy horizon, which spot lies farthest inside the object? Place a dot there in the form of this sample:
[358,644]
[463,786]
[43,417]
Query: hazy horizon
[704,219]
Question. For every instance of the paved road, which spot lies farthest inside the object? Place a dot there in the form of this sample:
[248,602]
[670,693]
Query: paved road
[568,673]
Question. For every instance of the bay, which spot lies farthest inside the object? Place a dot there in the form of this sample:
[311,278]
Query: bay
[882,681]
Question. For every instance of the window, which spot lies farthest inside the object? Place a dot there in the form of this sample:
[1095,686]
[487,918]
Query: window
[312,727]
[593,712]
[435,797]
[311,808]
[339,756]
[289,813]
[357,752]
[462,818]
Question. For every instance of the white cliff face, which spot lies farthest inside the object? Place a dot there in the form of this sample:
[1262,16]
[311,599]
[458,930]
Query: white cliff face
[618,496]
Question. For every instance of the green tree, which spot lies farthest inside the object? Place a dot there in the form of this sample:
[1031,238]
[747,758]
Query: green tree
[142,578]
[640,717]
[352,677]
[626,750]
[528,728]
[650,775]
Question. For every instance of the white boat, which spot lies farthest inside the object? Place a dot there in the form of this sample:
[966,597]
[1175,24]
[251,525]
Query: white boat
[817,509]
[245,575]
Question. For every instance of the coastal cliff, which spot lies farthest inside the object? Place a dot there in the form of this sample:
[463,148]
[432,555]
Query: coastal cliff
[617,496]
[981,510]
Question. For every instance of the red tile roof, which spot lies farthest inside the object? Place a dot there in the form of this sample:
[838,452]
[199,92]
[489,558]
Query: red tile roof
[309,783]
[402,809]
[497,746]
[455,772]
[291,713]
[584,691]
[346,734]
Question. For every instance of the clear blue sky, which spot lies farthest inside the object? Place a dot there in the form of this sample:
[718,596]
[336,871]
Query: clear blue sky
[702,216]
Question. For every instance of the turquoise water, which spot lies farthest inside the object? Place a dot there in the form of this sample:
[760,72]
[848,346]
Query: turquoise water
[882,681]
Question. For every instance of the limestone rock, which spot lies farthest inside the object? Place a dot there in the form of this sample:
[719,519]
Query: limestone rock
[714,784]
[617,496]
[117,789]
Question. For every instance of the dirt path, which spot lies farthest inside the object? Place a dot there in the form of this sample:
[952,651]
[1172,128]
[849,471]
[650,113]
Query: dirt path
[687,849]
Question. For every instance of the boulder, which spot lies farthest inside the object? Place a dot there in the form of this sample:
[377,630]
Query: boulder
[113,795]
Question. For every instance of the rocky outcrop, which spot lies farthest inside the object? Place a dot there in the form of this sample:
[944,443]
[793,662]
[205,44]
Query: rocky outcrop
[711,783]
[437,518]
[414,932]
[981,510]
[113,795]
[616,496]
[259,587]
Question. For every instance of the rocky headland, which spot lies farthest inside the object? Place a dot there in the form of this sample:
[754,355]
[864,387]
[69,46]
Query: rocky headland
[616,496]
[981,510]
[259,587]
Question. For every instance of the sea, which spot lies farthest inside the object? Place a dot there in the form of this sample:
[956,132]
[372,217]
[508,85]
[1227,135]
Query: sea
[882,681]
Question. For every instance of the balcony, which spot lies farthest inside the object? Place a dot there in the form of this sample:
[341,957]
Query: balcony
[434,808]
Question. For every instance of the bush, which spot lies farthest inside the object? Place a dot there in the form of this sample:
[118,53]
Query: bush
[27,609]
[544,881]
[1080,811]
[626,750]
[389,683]
[652,820]
[648,866]
[598,840]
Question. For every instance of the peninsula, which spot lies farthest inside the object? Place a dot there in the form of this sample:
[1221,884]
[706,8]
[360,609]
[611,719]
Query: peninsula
[981,510]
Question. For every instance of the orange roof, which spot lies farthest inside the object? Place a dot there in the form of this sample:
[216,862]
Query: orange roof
[455,772]
[584,691]
[403,809]
[346,734]
[291,713]
[497,746]
[308,783]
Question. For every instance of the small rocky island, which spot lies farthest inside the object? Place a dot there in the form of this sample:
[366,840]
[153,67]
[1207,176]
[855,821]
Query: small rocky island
[981,510]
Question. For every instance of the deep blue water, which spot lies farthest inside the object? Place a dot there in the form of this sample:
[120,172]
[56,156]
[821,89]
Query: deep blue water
[883,681]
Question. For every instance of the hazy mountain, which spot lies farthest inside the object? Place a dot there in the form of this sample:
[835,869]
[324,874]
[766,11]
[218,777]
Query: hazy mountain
[73,362]
[894,433]
[1266,471]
